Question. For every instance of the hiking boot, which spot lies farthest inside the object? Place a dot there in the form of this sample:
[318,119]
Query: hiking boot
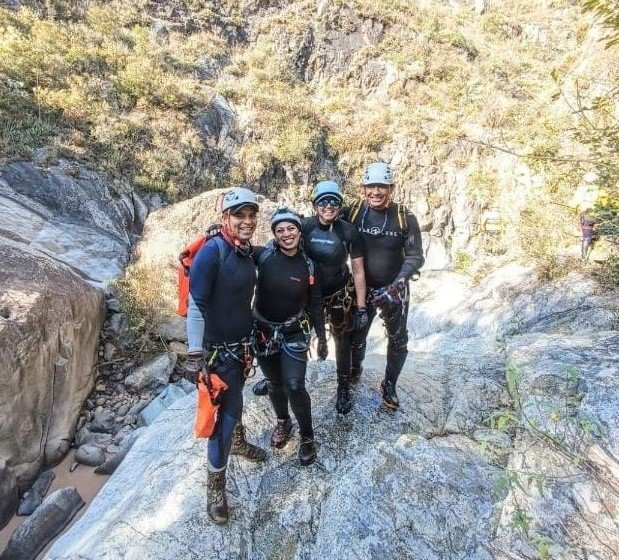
[192,366]
[343,404]
[281,433]
[240,446]
[307,451]
[355,375]
[216,502]
[261,388]
[390,397]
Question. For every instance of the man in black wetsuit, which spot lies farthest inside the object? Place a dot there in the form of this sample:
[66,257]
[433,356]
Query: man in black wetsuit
[393,255]
[222,281]
[330,242]
[287,286]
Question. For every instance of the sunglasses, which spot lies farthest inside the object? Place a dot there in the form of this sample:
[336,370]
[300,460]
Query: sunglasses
[331,201]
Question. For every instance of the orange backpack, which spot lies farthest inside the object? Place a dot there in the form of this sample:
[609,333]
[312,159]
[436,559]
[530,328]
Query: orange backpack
[186,258]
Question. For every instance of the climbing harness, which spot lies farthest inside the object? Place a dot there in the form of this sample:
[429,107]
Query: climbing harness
[275,341]
[242,352]
[344,300]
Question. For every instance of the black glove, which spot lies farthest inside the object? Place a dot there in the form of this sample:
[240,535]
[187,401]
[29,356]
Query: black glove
[322,350]
[360,320]
[391,295]
[213,230]
[194,364]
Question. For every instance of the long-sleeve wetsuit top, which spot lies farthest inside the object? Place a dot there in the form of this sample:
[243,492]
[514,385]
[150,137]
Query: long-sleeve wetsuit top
[223,295]
[389,253]
[284,289]
[329,247]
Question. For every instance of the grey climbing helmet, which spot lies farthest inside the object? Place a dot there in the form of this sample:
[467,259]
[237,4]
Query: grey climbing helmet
[285,215]
[378,173]
[238,197]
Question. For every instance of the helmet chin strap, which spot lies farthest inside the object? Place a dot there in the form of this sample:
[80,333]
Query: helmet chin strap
[228,235]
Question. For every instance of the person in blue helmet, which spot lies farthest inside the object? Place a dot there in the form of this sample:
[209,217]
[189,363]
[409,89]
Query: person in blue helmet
[331,242]
[222,282]
[288,304]
[393,255]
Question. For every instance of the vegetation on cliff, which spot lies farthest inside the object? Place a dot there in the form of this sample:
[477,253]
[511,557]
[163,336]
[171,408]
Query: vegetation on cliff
[121,86]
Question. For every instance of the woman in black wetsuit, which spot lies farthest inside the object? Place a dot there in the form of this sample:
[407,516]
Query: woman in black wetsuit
[330,241]
[287,286]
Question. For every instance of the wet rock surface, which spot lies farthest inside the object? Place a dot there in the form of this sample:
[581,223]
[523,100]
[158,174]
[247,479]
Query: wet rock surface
[43,525]
[33,498]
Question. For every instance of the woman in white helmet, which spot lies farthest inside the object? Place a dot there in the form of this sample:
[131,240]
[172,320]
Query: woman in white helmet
[222,282]
[331,242]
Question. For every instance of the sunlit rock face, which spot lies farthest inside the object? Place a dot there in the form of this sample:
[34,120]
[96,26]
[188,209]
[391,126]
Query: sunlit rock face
[426,482]
[49,325]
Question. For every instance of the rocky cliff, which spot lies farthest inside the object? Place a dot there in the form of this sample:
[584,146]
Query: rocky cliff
[63,237]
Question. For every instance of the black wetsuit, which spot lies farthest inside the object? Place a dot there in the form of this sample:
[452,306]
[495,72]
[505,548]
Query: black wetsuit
[391,253]
[330,247]
[223,296]
[283,293]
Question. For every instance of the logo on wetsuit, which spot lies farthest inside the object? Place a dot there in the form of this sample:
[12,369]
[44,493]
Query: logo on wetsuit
[295,279]
[318,240]
[378,231]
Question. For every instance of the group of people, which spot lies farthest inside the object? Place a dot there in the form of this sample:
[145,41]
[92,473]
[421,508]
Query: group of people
[303,281]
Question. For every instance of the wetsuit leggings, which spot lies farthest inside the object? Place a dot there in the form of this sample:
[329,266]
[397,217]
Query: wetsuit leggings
[229,370]
[342,337]
[396,346]
[286,372]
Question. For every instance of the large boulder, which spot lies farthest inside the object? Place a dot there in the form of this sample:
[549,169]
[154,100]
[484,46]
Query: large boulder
[49,325]
[70,214]
[170,229]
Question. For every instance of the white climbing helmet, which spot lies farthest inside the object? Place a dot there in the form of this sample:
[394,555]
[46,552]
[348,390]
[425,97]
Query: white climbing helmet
[377,173]
[238,197]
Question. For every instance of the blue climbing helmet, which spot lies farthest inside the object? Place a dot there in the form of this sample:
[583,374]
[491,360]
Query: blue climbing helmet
[324,189]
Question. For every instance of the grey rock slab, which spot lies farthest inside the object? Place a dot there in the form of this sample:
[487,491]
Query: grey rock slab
[162,401]
[174,328]
[8,492]
[43,525]
[415,499]
[33,498]
[569,390]
[91,455]
[153,374]
[111,464]
[279,507]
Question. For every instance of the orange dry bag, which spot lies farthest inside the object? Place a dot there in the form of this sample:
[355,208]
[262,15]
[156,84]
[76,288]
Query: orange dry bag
[210,388]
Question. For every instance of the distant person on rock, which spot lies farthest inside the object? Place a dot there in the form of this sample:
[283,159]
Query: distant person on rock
[393,255]
[222,282]
[589,233]
[330,242]
[288,303]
